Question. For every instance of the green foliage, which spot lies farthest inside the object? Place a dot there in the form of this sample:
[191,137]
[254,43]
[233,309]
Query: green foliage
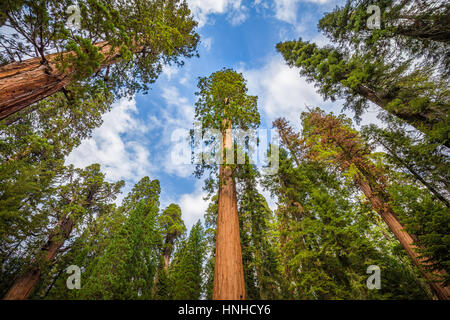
[223,96]
[127,266]
[418,28]
[119,45]
[187,267]
[261,267]
[412,96]
[328,236]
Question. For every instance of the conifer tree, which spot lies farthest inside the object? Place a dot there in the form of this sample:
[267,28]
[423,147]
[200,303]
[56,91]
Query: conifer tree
[186,271]
[80,195]
[127,266]
[418,28]
[327,238]
[223,104]
[119,46]
[261,268]
[32,153]
[333,139]
[172,228]
[413,154]
[361,78]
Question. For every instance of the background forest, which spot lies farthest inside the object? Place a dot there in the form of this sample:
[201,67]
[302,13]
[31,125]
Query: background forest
[346,196]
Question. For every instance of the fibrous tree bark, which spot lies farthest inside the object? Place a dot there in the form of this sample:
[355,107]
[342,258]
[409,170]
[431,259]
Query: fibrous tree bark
[228,271]
[350,151]
[27,82]
[23,286]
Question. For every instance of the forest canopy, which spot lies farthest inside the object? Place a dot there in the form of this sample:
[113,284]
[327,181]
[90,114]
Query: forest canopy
[347,197]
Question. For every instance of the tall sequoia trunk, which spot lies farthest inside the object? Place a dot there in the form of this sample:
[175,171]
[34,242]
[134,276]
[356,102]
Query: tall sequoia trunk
[23,286]
[228,270]
[27,82]
[405,239]
[371,182]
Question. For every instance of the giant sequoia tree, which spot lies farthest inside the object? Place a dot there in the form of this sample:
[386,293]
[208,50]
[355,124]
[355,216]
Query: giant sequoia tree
[223,104]
[332,139]
[81,195]
[119,46]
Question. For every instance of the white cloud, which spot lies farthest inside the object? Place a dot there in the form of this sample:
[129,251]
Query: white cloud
[287,10]
[281,90]
[168,71]
[201,9]
[115,145]
[207,42]
[192,205]
[175,120]
[238,16]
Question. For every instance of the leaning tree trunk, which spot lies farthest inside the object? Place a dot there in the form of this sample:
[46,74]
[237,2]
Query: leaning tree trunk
[405,239]
[424,121]
[25,283]
[228,270]
[27,82]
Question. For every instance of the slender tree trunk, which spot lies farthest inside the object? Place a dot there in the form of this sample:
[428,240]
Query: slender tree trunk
[25,283]
[422,121]
[27,82]
[416,175]
[228,270]
[405,239]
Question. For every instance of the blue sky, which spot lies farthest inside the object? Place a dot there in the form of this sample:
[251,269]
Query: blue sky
[135,139]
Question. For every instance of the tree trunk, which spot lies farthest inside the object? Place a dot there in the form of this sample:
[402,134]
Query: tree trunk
[27,82]
[25,283]
[166,261]
[228,270]
[423,121]
[416,175]
[405,239]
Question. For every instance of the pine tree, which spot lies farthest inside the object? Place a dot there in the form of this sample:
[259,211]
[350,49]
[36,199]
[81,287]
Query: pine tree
[172,228]
[119,46]
[327,238]
[260,263]
[361,78]
[32,153]
[127,266]
[416,27]
[413,154]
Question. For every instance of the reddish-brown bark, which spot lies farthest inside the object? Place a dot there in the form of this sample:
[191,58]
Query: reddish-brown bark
[23,286]
[27,82]
[405,239]
[372,181]
[228,270]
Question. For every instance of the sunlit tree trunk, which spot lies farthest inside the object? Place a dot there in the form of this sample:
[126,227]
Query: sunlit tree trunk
[228,271]
[405,239]
[27,82]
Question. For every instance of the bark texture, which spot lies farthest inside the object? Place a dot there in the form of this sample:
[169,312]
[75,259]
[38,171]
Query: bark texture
[228,270]
[27,82]
[23,286]
[405,239]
